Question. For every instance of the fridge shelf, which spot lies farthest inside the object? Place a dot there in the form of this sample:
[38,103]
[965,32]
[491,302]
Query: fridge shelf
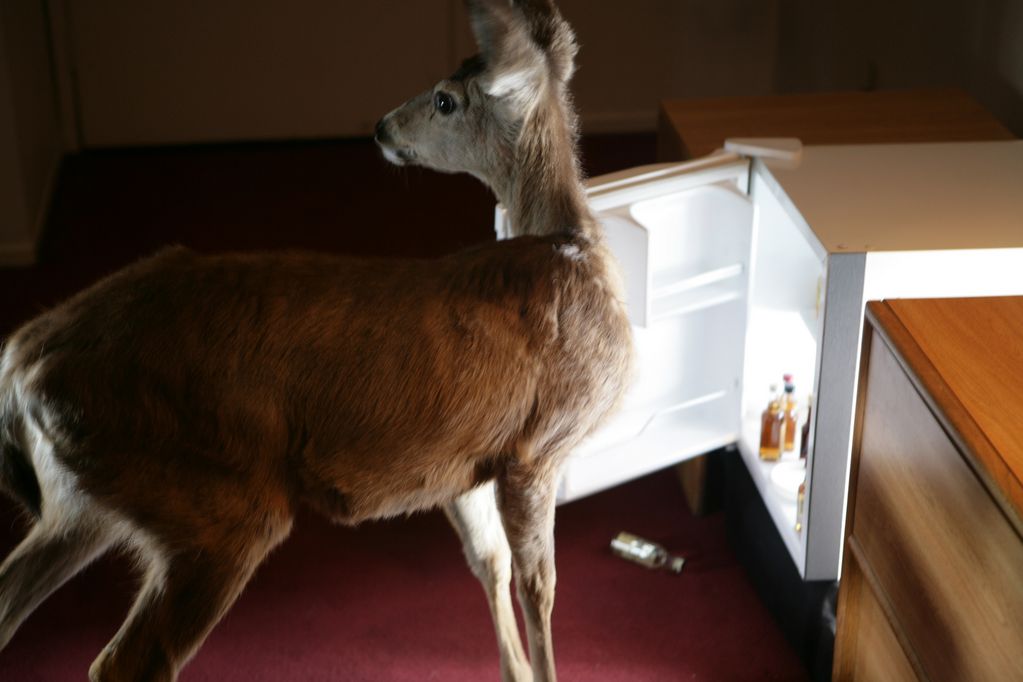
[678,280]
[672,247]
[639,441]
[636,421]
[697,292]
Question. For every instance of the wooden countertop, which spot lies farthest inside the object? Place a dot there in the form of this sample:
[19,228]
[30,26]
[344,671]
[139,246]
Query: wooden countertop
[967,356]
[690,128]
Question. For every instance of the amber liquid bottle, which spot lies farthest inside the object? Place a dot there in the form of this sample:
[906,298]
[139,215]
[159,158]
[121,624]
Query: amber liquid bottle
[772,422]
[790,416]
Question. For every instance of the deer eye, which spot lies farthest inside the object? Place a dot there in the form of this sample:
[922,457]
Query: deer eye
[444,102]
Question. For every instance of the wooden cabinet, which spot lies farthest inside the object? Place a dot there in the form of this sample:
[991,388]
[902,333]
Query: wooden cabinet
[932,584]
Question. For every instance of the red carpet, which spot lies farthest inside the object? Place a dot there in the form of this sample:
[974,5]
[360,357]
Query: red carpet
[395,601]
[386,601]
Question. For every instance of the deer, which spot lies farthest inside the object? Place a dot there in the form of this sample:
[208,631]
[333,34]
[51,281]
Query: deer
[185,407]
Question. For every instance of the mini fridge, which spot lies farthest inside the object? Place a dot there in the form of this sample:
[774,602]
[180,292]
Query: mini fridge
[756,262]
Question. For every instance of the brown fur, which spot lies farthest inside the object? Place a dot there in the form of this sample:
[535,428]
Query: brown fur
[190,404]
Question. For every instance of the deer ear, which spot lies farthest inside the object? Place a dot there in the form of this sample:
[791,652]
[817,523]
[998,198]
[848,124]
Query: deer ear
[552,35]
[497,26]
[514,62]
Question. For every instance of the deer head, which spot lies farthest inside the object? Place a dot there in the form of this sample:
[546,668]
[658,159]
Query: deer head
[504,116]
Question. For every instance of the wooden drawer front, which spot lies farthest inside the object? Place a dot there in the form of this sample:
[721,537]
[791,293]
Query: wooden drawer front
[945,557]
[867,649]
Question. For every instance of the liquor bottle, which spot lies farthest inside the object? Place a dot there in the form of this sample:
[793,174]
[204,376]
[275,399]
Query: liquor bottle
[645,553]
[789,410]
[772,422]
[804,436]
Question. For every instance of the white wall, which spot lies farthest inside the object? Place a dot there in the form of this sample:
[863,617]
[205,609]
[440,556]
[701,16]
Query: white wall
[976,45]
[134,72]
[167,71]
[31,143]
[164,71]
[159,71]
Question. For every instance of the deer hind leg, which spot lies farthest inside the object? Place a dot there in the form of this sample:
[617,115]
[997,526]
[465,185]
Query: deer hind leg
[525,498]
[475,518]
[53,551]
[183,596]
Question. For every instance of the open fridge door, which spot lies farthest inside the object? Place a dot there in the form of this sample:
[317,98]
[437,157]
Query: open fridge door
[683,235]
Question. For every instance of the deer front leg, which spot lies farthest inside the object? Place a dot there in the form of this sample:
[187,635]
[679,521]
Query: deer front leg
[525,498]
[475,518]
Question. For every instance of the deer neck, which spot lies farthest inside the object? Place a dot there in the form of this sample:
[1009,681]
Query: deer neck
[544,194]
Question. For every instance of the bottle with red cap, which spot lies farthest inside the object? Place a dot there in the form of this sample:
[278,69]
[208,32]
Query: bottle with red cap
[790,415]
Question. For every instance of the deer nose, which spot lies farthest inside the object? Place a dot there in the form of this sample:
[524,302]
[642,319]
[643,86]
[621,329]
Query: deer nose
[381,135]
